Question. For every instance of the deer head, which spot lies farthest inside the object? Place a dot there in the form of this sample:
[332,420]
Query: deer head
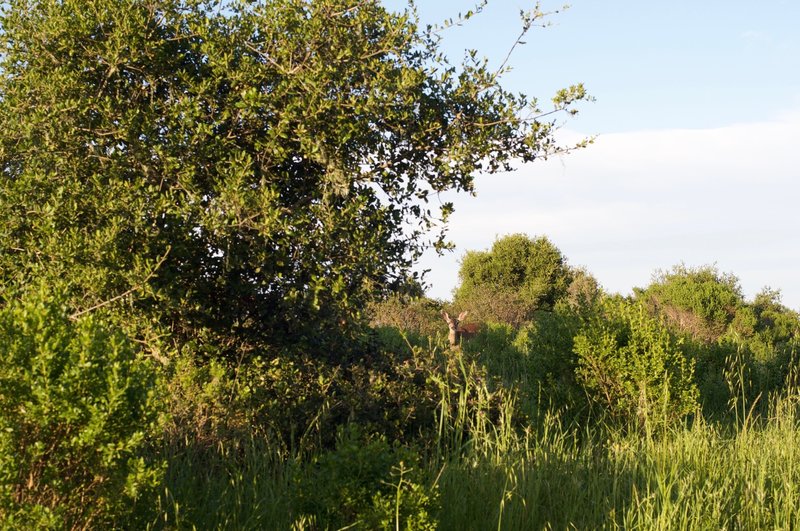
[459,331]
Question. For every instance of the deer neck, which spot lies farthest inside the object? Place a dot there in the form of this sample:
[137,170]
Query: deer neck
[453,337]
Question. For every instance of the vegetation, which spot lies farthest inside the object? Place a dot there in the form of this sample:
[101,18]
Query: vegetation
[518,276]
[77,411]
[630,365]
[249,171]
[700,302]
[209,211]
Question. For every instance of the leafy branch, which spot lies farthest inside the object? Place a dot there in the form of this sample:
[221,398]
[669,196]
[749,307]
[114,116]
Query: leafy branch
[135,288]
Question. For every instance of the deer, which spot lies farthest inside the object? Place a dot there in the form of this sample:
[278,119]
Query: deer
[459,331]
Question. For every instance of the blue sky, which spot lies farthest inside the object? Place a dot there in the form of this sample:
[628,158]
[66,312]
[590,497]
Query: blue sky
[650,64]
[697,158]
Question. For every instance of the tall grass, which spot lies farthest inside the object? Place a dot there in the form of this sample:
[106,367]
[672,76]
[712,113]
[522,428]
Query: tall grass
[488,469]
[247,487]
[702,476]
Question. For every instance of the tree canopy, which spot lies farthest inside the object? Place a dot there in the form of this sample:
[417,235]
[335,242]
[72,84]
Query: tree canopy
[517,276]
[701,301]
[251,171]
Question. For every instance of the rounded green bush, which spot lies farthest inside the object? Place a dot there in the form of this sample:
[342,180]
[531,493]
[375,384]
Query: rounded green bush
[76,409]
[518,276]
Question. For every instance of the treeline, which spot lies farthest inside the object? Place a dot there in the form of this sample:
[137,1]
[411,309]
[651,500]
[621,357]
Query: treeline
[687,344]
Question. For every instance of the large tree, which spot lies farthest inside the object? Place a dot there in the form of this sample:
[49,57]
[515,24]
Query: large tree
[250,171]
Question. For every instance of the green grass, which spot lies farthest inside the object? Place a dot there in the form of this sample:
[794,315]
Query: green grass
[221,488]
[699,477]
[740,475]
[695,478]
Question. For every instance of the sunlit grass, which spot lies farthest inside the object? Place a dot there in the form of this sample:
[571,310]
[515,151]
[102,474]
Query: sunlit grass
[740,475]
[699,477]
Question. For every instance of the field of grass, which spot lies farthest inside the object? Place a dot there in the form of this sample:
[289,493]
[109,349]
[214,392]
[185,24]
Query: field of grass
[738,473]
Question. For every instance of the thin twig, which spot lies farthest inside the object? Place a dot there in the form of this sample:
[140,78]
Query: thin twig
[128,292]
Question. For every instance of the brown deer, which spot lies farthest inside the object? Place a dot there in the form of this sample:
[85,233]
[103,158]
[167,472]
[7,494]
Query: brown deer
[459,331]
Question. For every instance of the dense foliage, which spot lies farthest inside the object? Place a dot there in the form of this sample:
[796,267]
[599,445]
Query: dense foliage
[631,367]
[743,349]
[700,301]
[253,172]
[370,482]
[516,277]
[77,411]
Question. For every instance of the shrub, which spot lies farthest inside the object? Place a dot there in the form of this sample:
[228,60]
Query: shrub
[488,303]
[523,274]
[297,401]
[752,359]
[366,482]
[76,409]
[701,302]
[583,291]
[418,316]
[632,368]
[775,322]
[205,404]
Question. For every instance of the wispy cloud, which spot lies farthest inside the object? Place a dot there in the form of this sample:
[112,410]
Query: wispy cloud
[752,36]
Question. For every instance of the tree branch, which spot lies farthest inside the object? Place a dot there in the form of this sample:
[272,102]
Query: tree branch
[137,287]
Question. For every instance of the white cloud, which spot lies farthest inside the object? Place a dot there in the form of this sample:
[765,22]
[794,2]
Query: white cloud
[640,201]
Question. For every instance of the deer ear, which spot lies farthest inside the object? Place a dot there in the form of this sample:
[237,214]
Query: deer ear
[446,317]
[462,315]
